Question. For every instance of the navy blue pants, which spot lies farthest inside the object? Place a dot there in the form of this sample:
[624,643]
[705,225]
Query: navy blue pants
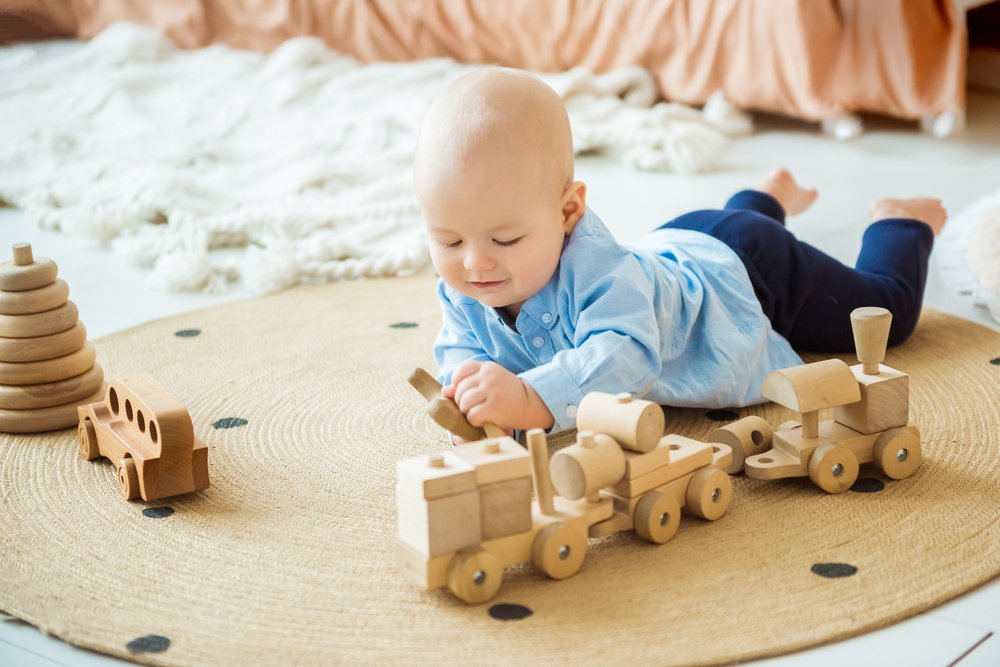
[808,295]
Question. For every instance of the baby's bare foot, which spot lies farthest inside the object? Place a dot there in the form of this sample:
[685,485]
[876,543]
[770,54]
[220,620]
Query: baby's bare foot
[794,198]
[925,209]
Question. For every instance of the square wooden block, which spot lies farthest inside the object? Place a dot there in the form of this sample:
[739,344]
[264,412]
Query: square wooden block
[424,477]
[884,404]
[496,459]
[440,526]
[505,507]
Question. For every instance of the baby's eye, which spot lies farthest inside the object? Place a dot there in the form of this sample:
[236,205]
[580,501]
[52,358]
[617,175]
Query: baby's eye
[453,244]
[507,243]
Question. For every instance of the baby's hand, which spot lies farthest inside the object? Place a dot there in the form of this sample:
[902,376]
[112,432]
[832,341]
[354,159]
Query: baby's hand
[488,392]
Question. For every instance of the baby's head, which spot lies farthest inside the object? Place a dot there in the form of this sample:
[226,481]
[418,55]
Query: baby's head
[493,175]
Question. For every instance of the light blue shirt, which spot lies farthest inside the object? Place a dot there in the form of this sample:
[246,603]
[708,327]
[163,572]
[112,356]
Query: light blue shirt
[672,319]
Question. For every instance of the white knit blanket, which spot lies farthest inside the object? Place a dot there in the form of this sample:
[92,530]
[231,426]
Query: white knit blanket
[301,158]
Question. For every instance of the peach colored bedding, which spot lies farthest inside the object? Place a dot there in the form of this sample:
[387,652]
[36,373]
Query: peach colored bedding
[810,59]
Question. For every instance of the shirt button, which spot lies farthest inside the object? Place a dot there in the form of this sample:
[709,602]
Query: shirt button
[571,411]
[538,341]
[546,317]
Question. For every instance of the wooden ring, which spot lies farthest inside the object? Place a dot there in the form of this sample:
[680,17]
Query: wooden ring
[50,370]
[43,347]
[17,278]
[38,300]
[39,324]
[44,419]
[32,396]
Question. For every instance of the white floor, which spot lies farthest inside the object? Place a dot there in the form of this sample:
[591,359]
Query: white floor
[891,159]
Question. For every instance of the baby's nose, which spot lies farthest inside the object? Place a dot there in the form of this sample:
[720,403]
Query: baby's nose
[477,259]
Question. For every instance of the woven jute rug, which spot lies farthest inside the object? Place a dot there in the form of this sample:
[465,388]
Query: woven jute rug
[288,558]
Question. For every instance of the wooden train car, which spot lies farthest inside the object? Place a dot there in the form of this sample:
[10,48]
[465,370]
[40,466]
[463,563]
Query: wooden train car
[148,435]
[467,513]
[870,404]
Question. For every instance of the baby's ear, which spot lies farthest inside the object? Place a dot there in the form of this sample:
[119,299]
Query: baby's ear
[574,204]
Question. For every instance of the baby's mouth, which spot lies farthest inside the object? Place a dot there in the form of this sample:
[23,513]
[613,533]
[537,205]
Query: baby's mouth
[486,284]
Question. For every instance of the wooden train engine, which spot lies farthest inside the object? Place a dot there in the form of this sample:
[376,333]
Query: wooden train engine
[870,404]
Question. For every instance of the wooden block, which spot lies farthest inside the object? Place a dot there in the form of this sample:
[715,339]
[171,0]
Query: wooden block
[43,419]
[46,395]
[25,272]
[439,526]
[148,435]
[686,456]
[435,476]
[580,470]
[884,404]
[38,300]
[443,410]
[811,387]
[871,334]
[637,465]
[505,508]
[496,459]
[49,370]
[39,324]
[43,347]
[635,424]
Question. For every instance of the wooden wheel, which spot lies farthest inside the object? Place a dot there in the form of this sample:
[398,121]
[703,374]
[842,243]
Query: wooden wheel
[87,439]
[657,517]
[559,550]
[128,479]
[897,452]
[833,468]
[709,493]
[474,576]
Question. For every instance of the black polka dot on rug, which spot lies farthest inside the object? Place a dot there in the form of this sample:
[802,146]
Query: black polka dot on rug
[510,612]
[187,333]
[230,422]
[722,415]
[834,570]
[148,644]
[157,512]
[403,325]
[995,361]
[867,485]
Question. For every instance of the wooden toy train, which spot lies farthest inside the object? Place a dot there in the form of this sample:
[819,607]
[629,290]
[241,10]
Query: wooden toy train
[870,403]
[467,513]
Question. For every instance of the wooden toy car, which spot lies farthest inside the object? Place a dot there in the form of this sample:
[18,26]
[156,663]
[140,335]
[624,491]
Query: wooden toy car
[870,405]
[149,437]
[467,513]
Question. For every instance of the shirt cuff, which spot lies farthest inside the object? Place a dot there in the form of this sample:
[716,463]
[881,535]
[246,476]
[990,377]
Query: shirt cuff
[755,200]
[558,391]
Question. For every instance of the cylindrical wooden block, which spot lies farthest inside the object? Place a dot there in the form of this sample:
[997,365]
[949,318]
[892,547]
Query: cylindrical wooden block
[17,278]
[636,424]
[22,254]
[871,335]
[50,370]
[540,470]
[579,470]
[32,396]
[38,300]
[39,324]
[45,419]
[746,437]
[43,347]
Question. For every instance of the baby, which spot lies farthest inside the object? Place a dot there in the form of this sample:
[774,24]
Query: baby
[541,305]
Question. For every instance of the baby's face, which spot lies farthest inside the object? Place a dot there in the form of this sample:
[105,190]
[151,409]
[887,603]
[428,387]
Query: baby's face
[495,236]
